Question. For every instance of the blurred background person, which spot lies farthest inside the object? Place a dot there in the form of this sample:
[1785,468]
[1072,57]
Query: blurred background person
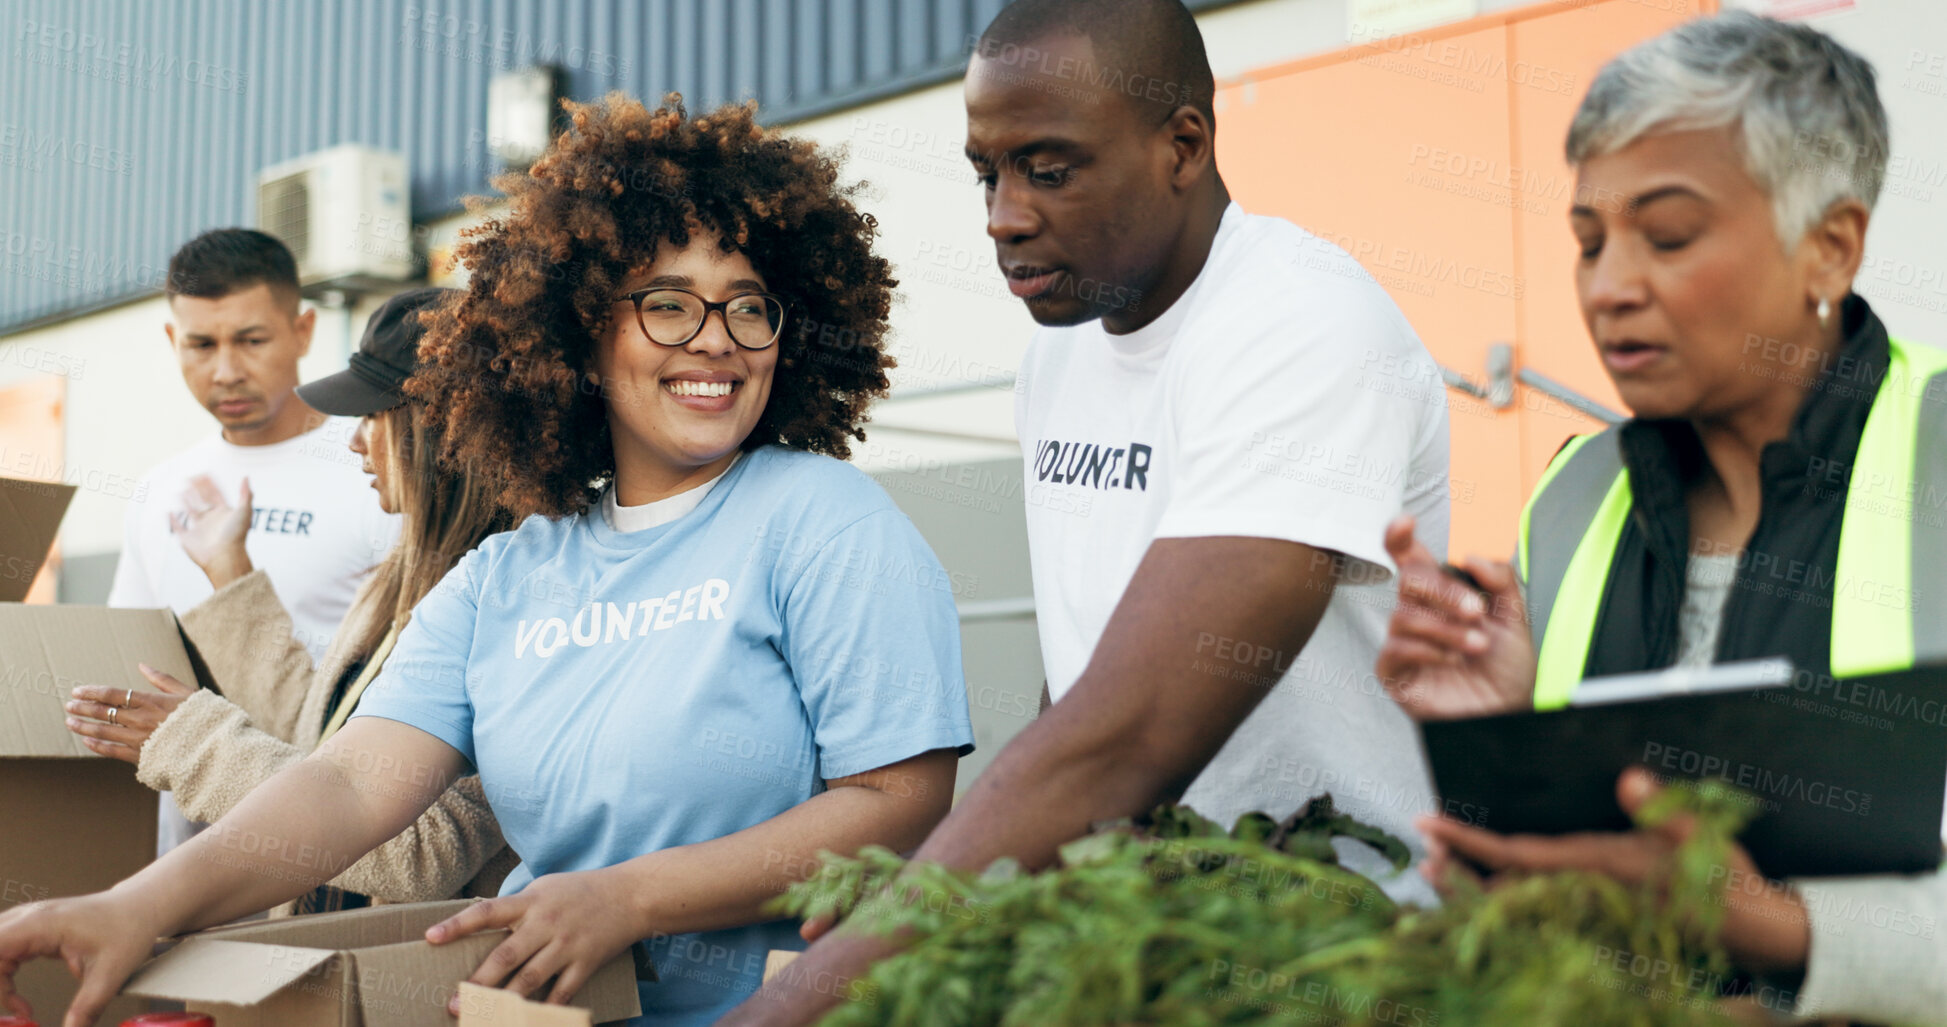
[238,329]
[211,749]
[1777,493]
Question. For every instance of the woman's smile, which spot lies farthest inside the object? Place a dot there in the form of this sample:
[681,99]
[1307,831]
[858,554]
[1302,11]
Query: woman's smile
[710,392]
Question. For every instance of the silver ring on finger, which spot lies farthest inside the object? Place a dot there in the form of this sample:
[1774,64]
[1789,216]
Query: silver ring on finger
[129,700]
[112,710]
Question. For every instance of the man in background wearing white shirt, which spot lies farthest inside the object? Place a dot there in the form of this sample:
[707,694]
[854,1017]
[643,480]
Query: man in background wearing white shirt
[1218,417]
[316,529]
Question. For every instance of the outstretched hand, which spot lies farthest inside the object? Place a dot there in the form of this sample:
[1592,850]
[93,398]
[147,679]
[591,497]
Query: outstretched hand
[563,928]
[1452,650]
[1765,928]
[212,531]
[117,722]
[102,938]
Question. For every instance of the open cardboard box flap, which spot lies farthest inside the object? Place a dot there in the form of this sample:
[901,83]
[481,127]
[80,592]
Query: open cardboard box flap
[368,967]
[51,649]
[30,516]
[206,970]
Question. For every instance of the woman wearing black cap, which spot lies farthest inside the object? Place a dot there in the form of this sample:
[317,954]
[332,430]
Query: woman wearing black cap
[211,749]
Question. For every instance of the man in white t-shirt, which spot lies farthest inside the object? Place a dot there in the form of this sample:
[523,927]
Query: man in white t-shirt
[1218,418]
[315,525]
[1249,420]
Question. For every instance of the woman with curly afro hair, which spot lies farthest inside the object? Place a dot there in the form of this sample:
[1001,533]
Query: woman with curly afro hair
[715,652]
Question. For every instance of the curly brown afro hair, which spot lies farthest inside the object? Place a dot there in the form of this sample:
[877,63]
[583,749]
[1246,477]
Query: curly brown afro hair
[505,368]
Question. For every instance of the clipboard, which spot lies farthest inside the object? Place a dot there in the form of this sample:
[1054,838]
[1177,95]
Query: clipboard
[1847,776]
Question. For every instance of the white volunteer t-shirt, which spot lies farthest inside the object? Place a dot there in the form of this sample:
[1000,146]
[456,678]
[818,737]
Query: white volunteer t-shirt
[1283,396]
[316,529]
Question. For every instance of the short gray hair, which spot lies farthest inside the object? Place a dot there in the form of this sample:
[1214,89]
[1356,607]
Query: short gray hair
[1805,110]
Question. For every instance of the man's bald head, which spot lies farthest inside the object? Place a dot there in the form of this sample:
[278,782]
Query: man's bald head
[1149,52]
[1089,128]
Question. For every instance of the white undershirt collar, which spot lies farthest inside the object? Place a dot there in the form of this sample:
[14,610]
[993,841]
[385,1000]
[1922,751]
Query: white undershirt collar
[625,519]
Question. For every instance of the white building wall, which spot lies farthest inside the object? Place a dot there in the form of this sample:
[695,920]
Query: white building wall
[1905,273]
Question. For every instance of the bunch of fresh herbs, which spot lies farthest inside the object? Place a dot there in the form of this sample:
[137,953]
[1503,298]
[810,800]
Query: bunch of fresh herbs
[1173,921]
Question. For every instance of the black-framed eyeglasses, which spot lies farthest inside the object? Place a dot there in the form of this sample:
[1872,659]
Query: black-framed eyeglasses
[672,317]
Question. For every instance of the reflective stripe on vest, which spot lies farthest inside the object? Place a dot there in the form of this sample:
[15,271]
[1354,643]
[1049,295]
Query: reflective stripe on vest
[1893,541]
[1580,538]
[1888,612]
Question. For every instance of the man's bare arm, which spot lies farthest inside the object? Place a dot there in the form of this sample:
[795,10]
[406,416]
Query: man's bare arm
[1155,703]
[1152,708]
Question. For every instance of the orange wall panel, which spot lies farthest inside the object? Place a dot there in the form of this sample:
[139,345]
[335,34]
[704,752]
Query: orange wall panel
[1553,339]
[31,441]
[1358,151]
[1435,159]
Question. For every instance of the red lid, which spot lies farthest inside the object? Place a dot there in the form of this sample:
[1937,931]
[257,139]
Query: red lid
[178,1019]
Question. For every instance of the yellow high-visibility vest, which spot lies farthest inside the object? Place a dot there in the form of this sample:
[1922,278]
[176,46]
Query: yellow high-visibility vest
[1893,532]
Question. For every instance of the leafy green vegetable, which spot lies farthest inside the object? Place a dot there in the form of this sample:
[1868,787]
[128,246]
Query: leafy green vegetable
[1169,920]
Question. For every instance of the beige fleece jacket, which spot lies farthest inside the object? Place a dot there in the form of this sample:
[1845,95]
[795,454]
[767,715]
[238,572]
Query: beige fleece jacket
[215,748]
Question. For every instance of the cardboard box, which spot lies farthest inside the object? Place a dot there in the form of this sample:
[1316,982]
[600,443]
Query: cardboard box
[491,1007]
[776,960]
[30,516]
[72,822]
[360,968]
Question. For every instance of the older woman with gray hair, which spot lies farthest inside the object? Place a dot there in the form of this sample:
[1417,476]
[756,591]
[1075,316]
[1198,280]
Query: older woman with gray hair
[1777,493]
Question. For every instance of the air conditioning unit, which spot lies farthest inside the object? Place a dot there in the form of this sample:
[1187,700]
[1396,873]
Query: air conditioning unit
[346,214]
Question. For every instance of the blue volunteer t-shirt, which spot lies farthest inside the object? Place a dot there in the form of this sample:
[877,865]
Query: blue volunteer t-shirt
[622,693]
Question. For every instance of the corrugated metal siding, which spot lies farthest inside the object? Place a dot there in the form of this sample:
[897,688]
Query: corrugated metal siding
[127,126]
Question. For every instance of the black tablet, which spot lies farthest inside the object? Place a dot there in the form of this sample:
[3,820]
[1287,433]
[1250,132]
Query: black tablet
[1847,775]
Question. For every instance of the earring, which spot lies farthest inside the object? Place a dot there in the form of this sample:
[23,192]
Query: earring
[1825,312]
